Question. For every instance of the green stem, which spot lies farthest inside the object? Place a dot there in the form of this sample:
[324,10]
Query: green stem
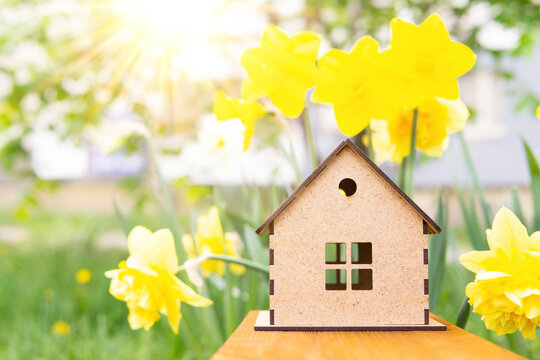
[309,138]
[463,314]
[234,260]
[292,157]
[406,174]
[228,303]
[371,151]
[514,343]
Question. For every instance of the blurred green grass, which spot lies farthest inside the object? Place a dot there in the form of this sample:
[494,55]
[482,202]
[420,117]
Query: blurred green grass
[38,287]
[57,245]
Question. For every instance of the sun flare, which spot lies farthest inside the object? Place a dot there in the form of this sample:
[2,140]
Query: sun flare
[163,53]
[184,20]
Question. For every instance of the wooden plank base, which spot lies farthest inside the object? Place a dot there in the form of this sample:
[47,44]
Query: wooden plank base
[454,343]
[263,324]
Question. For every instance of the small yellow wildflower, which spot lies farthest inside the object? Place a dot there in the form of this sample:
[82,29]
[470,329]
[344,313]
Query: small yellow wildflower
[538,112]
[506,291]
[355,85]
[4,249]
[60,328]
[248,110]
[283,68]
[210,239]
[437,119]
[83,276]
[146,281]
[48,294]
[424,62]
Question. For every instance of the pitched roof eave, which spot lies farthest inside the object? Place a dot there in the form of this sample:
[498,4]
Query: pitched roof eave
[433,228]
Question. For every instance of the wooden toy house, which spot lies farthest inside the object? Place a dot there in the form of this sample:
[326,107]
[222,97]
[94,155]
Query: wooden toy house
[348,251]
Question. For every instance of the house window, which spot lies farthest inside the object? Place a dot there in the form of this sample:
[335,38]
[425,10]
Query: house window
[336,279]
[362,279]
[335,253]
[361,253]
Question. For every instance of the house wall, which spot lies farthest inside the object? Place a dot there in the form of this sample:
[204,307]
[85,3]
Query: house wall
[321,213]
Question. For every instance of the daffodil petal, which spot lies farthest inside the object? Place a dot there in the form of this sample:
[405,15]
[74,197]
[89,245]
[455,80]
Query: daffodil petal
[458,114]
[283,68]
[188,295]
[523,293]
[138,240]
[248,133]
[424,62]
[459,58]
[188,244]
[474,260]
[172,310]
[511,295]
[508,234]
[330,89]
[405,30]
[531,306]
[152,252]
[306,44]
[273,37]
[488,275]
[352,118]
[209,225]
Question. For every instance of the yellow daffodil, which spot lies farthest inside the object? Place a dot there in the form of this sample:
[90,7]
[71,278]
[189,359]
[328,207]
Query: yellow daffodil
[424,62]
[283,68]
[437,119]
[147,281]
[506,291]
[210,239]
[538,112]
[246,109]
[83,276]
[60,328]
[355,85]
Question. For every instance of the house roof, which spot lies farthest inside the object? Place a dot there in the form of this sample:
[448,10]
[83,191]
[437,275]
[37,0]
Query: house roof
[432,226]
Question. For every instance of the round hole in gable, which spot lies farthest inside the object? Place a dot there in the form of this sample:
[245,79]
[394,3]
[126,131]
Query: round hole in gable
[347,187]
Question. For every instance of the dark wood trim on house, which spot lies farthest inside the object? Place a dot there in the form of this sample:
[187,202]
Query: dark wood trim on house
[271,317]
[426,286]
[432,227]
[426,317]
[421,327]
[271,284]
[271,228]
[270,256]
[426,256]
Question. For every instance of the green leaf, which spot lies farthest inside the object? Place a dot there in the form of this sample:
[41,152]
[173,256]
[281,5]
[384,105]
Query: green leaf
[406,171]
[534,170]
[486,207]
[463,314]
[122,220]
[437,252]
[254,247]
[516,204]
[475,232]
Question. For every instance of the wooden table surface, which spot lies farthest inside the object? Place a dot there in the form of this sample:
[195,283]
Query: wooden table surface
[454,343]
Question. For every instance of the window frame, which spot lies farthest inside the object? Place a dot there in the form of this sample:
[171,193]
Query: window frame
[348,267]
